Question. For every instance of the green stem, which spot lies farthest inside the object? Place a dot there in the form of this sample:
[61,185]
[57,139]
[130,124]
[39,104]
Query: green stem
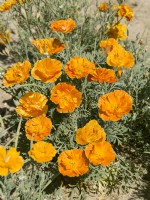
[1,122]
[61,36]
[50,181]
[31,142]
[5,132]
[18,132]
[9,141]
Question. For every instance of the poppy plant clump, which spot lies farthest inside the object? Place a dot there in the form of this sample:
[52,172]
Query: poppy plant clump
[74,85]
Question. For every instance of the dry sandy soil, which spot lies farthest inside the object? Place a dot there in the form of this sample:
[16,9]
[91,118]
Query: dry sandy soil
[140,24]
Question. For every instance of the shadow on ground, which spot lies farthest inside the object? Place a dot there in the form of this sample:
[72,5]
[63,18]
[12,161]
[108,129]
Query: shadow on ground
[143,193]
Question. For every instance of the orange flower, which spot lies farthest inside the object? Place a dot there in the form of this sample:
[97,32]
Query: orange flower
[38,128]
[47,70]
[66,96]
[119,57]
[91,132]
[79,67]
[10,161]
[100,153]
[18,73]
[125,11]
[4,37]
[7,5]
[114,105]
[32,104]
[117,31]
[102,75]
[103,7]
[129,61]
[73,163]
[42,152]
[49,46]
[108,45]
[64,26]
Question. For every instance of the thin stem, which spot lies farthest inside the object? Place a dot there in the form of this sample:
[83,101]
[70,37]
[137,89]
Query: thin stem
[31,142]
[9,141]
[18,132]
[50,181]
[27,20]
[1,122]
[5,132]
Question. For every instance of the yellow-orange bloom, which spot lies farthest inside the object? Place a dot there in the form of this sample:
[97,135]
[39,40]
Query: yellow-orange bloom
[102,75]
[38,128]
[100,153]
[79,67]
[42,152]
[47,70]
[32,104]
[125,11]
[73,163]
[91,132]
[103,7]
[119,57]
[64,26]
[10,161]
[114,105]
[18,73]
[108,45]
[4,37]
[7,5]
[49,46]
[117,31]
[66,96]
